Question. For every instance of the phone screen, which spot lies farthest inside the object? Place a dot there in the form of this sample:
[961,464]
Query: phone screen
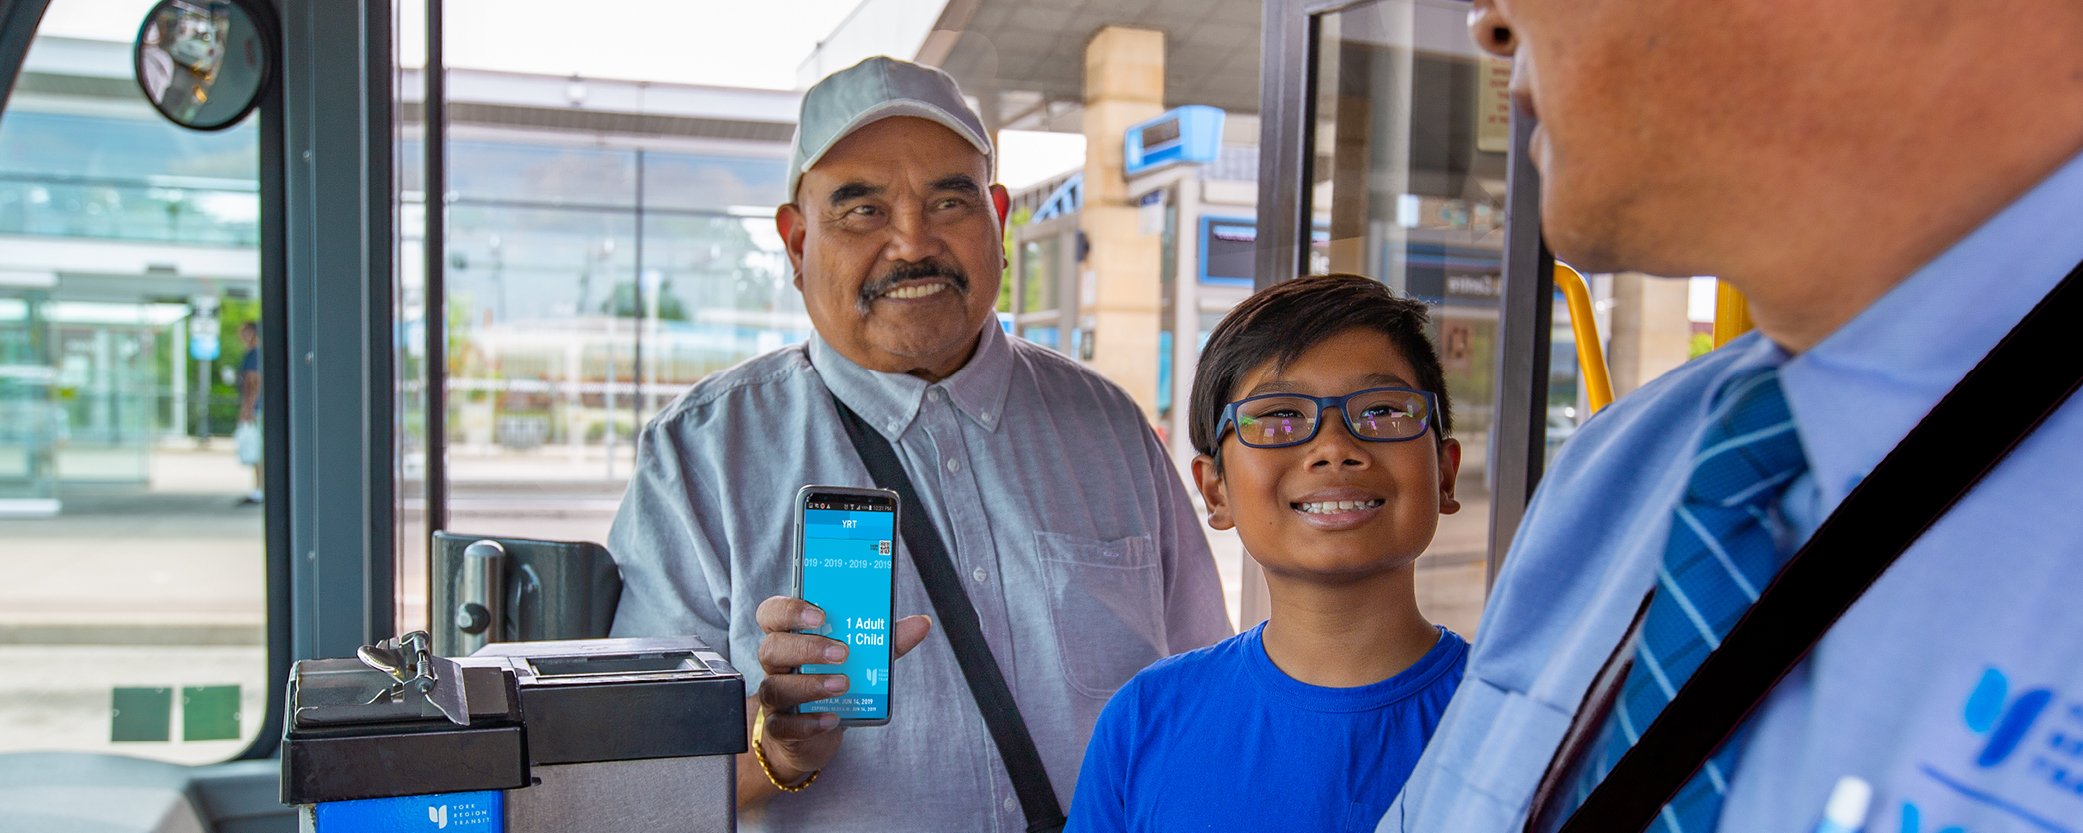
[848,567]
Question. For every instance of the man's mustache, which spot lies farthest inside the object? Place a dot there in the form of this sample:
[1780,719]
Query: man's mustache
[920,270]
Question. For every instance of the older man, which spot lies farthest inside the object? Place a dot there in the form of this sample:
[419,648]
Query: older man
[1068,526]
[1894,185]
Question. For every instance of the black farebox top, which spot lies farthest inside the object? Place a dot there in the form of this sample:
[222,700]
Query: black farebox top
[336,747]
[622,699]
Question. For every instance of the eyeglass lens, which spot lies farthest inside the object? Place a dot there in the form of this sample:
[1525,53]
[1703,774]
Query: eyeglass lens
[1373,415]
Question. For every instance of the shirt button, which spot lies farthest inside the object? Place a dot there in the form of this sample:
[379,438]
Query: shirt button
[954,465]
[1011,805]
[980,575]
[936,394]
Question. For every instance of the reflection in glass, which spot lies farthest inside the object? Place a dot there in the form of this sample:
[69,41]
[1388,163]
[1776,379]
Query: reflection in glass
[200,62]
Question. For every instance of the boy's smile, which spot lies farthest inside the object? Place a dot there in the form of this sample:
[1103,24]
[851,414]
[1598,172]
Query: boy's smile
[1335,505]
[1339,508]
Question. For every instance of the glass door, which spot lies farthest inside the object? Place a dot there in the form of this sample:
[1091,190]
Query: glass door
[1415,199]
[1402,131]
[28,415]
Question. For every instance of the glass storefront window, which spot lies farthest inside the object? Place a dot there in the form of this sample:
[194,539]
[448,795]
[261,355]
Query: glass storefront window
[1410,179]
[588,282]
[123,176]
[1038,276]
[129,265]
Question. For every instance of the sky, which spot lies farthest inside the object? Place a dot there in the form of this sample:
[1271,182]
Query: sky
[715,42]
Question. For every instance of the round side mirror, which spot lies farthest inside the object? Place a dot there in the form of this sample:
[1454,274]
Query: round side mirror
[201,62]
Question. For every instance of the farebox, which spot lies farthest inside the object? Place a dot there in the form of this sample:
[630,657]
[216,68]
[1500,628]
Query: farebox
[625,734]
[588,734]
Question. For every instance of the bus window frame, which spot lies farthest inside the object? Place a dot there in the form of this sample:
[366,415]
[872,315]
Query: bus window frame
[274,382]
[338,174]
[19,22]
[328,260]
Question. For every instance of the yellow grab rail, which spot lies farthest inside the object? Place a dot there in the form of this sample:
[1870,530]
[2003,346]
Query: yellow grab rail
[1731,313]
[1731,319]
[1591,358]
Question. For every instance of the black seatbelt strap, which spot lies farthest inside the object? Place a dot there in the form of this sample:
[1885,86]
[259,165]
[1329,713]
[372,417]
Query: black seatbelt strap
[965,633]
[2023,380]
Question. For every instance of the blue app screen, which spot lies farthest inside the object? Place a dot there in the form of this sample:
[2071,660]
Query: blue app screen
[848,564]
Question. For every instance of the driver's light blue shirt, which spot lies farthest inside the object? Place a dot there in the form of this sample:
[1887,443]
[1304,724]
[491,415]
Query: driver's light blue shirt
[1955,686]
[1070,527]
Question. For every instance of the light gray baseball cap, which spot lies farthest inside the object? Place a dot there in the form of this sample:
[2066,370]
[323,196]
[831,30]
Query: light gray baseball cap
[873,90]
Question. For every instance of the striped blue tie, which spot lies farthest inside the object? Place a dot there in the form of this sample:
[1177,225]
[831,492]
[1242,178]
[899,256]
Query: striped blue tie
[1721,553]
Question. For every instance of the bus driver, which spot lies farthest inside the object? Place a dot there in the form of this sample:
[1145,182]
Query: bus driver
[1894,185]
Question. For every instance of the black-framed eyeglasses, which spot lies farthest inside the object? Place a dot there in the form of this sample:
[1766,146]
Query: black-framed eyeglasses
[1279,420]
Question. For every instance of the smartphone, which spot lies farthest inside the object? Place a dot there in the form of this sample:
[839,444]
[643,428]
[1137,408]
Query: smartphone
[846,564]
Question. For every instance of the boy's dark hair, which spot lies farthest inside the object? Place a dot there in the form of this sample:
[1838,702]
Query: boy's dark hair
[1285,320]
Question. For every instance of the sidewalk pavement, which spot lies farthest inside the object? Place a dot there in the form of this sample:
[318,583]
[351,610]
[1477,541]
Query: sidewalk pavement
[175,560]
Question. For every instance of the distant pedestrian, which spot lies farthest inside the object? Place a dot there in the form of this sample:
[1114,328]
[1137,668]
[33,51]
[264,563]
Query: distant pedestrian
[247,436]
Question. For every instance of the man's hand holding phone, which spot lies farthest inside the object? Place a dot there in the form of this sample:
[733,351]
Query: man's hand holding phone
[799,744]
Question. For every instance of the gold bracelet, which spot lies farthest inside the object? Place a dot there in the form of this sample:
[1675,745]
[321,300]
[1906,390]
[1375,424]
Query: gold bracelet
[759,729]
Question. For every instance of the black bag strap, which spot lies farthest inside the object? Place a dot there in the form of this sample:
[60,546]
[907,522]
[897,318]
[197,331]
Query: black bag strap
[2023,380]
[1023,762]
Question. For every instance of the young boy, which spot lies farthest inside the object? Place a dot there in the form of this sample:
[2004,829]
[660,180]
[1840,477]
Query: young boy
[1312,720]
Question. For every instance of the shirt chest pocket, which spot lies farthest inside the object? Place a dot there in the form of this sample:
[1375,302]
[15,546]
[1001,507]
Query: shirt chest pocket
[1487,780]
[1106,602]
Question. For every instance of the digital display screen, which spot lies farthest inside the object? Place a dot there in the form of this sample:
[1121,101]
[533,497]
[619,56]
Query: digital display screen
[849,545]
[1160,133]
[1229,252]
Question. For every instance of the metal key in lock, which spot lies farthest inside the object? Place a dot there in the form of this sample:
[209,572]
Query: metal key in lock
[409,660]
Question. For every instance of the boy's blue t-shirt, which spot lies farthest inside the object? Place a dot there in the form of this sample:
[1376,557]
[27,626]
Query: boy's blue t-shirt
[1221,739]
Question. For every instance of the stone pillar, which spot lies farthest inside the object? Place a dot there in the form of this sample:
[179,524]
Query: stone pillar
[1651,333]
[1124,84]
